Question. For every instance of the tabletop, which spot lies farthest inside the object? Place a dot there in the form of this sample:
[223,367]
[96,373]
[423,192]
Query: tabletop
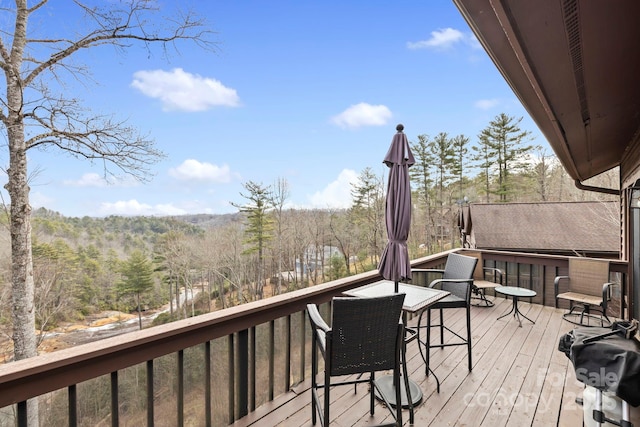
[515,291]
[416,297]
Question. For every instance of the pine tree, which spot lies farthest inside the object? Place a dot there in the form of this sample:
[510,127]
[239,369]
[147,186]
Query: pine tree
[505,142]
[484,158]
[137,279]
[368,210]
[259,227]
[460,149]
[420,174]
[444,157]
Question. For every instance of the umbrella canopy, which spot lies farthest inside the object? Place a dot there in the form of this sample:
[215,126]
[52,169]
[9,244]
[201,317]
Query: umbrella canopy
[394,263]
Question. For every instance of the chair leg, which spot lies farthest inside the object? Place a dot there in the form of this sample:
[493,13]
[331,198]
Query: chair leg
[327,387]
[441,326]
[428,342]
[314,381]
[372,400]
[396,381]
[407,387]
[469,336]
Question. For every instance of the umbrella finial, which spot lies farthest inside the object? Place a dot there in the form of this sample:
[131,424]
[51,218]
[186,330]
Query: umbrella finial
[400,127]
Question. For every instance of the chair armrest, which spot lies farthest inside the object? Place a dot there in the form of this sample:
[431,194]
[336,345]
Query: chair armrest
[468,290]
[497,273]
[317,322]
[556,282]
[427,270]
[606,294]
[409,334]
[440,281]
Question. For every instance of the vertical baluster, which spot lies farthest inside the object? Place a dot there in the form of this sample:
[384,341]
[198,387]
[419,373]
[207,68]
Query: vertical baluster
[303,330]
[232,377]
[271,358]
[243,374]
[150,394]
[73,406]
[287,363]
[543,267]
[22,414]
[115,416]
[207,384]
[180,388]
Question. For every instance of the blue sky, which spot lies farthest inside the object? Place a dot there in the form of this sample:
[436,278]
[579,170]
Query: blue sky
[308,91]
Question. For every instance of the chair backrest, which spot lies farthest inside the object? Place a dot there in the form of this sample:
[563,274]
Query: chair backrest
[478,272]
[459,267]
[587,275]
[365,334]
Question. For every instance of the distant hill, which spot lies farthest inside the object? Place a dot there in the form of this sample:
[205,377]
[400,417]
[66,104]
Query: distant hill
[119,233]
[208,220]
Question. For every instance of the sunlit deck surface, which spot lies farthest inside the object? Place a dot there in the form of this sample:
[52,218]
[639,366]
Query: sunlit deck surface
[519,378]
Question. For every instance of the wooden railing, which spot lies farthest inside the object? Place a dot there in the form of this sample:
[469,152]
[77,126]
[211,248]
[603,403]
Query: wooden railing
[216,367]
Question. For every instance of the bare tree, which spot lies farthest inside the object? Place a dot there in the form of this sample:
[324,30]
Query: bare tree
[35,117]
[279,195]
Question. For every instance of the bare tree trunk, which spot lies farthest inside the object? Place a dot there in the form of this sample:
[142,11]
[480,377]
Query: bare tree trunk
[23,313]
[139,310]
[170,293]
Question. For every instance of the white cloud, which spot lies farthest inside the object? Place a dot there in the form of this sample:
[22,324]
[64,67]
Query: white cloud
[133,207]
[337,194]
[179,90]
[474,42]
[95,180]
[487,104]
[40,200]
[363,114]
[193,170]
[441,39]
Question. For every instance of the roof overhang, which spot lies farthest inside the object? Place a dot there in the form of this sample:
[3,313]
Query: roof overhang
[575,66]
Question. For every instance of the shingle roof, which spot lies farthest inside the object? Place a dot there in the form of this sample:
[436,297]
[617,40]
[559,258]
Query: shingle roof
[547,226]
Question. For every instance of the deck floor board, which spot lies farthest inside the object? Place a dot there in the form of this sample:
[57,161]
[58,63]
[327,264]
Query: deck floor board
[519,378]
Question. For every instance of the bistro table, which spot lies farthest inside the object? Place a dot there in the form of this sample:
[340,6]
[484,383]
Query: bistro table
[515,293]
[417,298]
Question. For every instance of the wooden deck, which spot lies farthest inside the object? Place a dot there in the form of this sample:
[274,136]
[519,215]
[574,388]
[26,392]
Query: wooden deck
[519,378]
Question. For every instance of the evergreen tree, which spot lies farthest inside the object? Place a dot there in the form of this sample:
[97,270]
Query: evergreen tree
[484,158]
[420,174]
[460,149]
[506,142]
[444,158]
[367,211]
[259,227]
[137,279]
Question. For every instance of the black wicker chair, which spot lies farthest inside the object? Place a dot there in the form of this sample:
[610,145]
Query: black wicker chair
[366,336]
[457,278]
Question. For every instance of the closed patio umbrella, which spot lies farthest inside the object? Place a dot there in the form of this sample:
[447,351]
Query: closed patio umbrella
[394,263]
